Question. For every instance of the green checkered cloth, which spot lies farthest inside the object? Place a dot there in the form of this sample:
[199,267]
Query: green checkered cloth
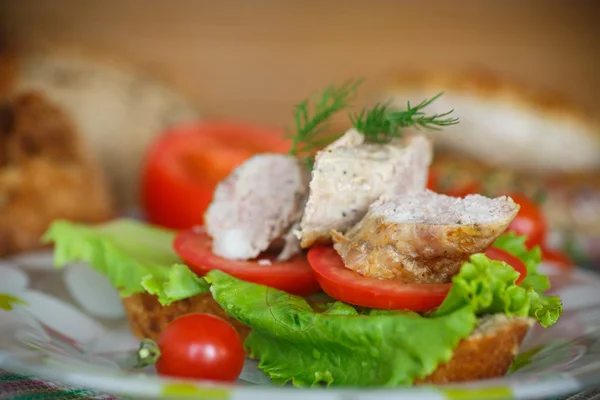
[20,387]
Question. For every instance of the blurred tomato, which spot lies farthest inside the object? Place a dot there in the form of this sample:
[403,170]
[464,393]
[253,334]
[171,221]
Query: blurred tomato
[185,164]
[458,188]
[557,258]
[529,221]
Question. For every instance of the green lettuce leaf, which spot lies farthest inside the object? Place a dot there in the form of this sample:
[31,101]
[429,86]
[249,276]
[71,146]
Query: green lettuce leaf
[343,345]
[135,256]
[181,283]
[545,309]
[515,245]
[488,287]
[338,346]
[8,301]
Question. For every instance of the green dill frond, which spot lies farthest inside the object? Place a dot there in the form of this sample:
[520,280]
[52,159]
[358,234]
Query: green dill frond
[313,115]
[381,124]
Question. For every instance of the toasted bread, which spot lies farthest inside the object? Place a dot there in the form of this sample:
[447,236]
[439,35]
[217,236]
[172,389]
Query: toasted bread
[147,317]
[487,353]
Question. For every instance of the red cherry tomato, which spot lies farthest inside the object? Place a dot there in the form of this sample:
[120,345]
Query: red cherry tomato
[494,253]
[184,165]
[351,287]
[529,221]
[200,346]
[293,276]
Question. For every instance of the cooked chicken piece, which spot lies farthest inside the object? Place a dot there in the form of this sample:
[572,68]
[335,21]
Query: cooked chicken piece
[45,173]
[349,175]
[255,208]
[423,237]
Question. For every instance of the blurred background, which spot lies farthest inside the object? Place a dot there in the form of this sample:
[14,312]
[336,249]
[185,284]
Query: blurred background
[520,74]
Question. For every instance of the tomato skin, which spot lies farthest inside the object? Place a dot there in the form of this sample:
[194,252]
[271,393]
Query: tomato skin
[496,254]
[200,346]
[183,166]
[351,287]
[293,276]
[529,222]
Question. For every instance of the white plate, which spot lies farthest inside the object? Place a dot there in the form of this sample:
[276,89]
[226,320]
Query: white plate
[55,336]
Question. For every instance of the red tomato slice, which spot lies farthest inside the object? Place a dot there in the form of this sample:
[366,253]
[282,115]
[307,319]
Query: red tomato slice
[351,287]
[184,165]
[293,276]
[494,253]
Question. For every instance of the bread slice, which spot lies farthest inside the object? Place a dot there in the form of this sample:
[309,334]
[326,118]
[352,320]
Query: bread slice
[147,317]
[487,353]
[423,237]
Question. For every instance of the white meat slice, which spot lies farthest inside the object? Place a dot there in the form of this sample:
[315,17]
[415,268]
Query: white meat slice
[423,237]
[256,207]
[349,175]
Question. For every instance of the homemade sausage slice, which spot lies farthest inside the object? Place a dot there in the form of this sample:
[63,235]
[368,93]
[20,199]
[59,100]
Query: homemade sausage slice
[349,175]
[255,208]
[423,237]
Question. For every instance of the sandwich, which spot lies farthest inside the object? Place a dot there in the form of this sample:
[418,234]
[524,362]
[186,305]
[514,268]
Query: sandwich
[335,263]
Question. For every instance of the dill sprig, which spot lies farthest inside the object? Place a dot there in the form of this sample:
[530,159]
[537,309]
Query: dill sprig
[381,123]
[312,117]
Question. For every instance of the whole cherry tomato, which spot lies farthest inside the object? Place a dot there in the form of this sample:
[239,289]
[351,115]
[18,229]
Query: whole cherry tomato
[200,346]
[529,221]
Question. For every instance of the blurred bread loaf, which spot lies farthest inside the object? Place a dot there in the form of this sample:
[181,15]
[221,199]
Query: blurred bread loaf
[46,172]
[505,123]
[118,109]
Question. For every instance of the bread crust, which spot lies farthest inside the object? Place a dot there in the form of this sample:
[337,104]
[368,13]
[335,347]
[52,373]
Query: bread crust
[487,353]
[147,317]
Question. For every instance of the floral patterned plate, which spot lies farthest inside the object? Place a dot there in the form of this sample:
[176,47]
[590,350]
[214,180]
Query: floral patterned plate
[72,329]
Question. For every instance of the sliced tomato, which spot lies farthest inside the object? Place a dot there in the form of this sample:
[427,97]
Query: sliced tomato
[494,253]
[184,165]
[351,287]
[529,221]
[293,276]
